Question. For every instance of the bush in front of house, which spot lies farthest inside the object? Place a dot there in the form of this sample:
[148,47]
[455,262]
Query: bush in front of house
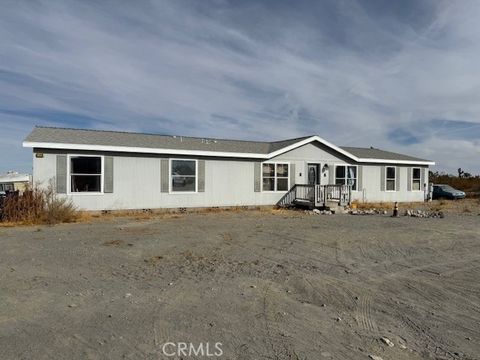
[37,206]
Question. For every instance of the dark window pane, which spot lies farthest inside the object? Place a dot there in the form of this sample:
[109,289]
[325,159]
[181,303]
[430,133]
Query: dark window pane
[282,170]
[282,184]
[391,185]
[84,183]
[340,171]
[416,173]
[340,181]
[86,165]
[268,184]
[183,183]
[183,167]
[390,173]
[268,169]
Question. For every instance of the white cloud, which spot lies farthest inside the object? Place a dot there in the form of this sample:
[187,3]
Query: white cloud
[244,71]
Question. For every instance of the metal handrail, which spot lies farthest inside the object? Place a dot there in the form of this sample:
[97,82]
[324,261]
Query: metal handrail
[317,194]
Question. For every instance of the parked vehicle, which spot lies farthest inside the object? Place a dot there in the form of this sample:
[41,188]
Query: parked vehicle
[447,192]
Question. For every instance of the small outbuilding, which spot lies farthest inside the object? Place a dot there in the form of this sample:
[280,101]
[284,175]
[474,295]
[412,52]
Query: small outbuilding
[13,181]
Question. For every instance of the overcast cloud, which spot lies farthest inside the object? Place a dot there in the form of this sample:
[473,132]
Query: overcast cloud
[402,76]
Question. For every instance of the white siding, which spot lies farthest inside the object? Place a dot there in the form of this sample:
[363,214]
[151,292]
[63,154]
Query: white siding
[227,182]
[137,185]
[372,192]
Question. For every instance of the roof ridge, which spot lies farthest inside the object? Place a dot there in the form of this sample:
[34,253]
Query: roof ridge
[169,135]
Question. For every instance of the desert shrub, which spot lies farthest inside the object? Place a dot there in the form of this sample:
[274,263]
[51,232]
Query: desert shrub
[37,206]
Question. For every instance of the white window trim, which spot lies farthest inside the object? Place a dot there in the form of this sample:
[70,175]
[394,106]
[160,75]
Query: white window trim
[69,176]
[170,191]
[346,165]
[420,180]
[394,179]
[275,176]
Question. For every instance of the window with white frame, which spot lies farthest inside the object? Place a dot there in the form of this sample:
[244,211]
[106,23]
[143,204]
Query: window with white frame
[275,177]
[390,178]
[184,175]
[416,179]
[85,174]
[346,175]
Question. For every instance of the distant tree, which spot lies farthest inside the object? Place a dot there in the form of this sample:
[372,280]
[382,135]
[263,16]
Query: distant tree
[460,172]
[467,175]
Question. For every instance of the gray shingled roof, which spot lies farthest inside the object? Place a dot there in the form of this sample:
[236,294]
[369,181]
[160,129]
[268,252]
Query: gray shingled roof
[153,141]
[372,153]
[115,138]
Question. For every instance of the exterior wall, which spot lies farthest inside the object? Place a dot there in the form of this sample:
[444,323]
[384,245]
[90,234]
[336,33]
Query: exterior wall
[137,185]
[371,190]
[20,186]
[228,182]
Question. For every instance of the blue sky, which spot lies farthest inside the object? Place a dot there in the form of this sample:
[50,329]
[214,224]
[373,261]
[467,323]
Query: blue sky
[399,75]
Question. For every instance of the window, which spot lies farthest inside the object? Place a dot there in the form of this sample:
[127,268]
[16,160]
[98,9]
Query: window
[391,178]
[416,179]
[346,175]
[86,174]
[275,177]
[6,187]
[184,176]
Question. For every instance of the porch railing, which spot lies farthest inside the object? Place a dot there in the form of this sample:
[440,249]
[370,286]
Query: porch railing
[333,193]
[317,195]
[299,192]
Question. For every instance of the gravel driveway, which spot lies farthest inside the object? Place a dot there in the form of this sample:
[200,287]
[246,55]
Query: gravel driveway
[280,285]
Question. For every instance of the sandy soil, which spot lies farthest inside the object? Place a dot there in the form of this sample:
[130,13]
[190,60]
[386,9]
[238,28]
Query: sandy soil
[280,285]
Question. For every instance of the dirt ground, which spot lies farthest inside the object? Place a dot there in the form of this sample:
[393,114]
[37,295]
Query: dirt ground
[266,285]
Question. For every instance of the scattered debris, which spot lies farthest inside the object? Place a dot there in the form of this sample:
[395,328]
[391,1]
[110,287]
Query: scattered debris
[387,341]
[253,286]
[72,305]
[318,212]
[127,295]
[425,214]
[113,243]
[375,357]
[367,212]
[339,319]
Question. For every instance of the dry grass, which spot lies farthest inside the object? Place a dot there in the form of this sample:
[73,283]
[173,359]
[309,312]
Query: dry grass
[180,213]
[465,206]
[37,206]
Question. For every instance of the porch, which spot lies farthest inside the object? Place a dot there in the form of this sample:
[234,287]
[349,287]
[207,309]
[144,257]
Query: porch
[314,196]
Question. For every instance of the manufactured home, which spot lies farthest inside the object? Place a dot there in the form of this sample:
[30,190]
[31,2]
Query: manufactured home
[108,170]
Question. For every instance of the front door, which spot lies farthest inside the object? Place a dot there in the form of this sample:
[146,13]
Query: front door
[313,179]
[313,174]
